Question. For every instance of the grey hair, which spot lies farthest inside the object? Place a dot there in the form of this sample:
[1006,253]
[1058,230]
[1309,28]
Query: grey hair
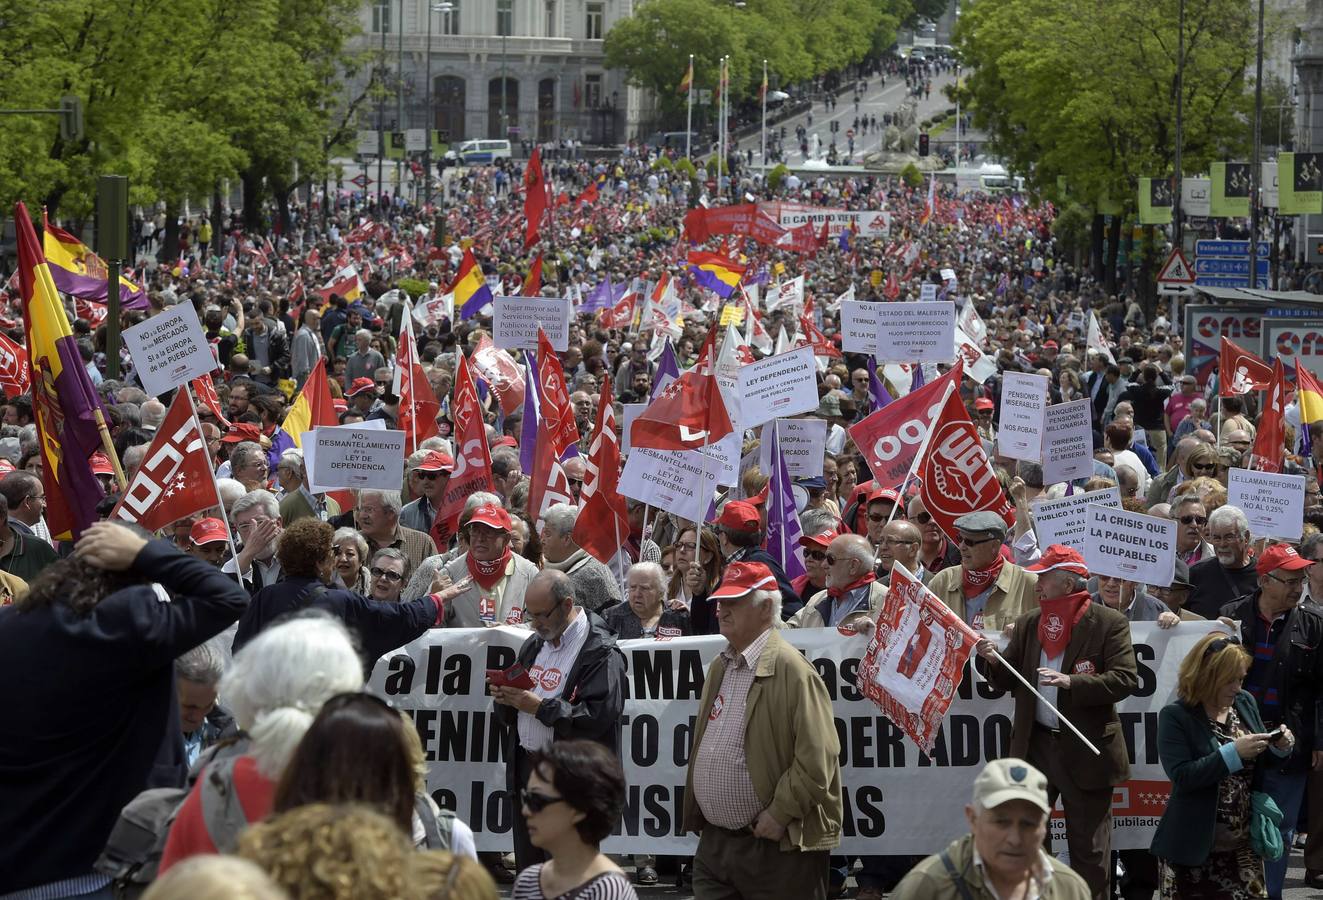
[1185,500]
[390,500]
[1230,515]
[476,499]
[816,521]
[243,454]
[413,460]
[230,492]
[133,456]
[437,443]
[560,517]
[204,664]
[363,332]
[392,553]
[349,534]
[152,413]
[1311,543]
[763,599]
[292,455]
[259,497]
[654,572]
[27,436]
[1031,473]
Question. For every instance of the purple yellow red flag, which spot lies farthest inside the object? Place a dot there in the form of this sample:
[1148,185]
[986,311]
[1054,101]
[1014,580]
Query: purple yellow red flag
[79,272]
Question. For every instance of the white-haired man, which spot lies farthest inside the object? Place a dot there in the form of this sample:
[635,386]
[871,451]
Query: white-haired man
[1230,573]
[593,582]
[852,586]
[256,520]
[378,518]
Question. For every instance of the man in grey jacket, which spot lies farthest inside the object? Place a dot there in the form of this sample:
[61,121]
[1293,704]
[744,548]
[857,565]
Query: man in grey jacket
[306,347]
[593,582]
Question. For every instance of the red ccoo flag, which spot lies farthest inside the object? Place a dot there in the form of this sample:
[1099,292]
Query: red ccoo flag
[603,522]
[688,414]
[1240,371]
[811,334]
[557,414]
[473,463]
[418,406]
[955,475]
[175,478]
[206,394]
[1270,440]
[535,197]
[15,377]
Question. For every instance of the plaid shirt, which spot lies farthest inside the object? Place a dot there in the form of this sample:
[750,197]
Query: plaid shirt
[722,786]
[417,545]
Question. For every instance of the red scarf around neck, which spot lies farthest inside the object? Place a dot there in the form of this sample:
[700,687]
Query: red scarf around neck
[838,593]
[1060,616]
[976,581]
[486,574]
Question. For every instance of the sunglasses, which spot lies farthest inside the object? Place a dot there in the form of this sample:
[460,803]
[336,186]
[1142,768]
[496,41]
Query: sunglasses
[382,573]
[923,518]
[1221,644]
[431,476]
[974,542]
[1203,467]
[1193,520]
[816,555]
[877,518]
[537,802]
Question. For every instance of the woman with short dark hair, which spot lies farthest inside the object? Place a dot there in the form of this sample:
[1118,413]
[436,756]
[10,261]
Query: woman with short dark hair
[573,800]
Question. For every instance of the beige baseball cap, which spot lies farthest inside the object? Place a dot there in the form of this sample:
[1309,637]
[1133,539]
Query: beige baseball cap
[1003,780]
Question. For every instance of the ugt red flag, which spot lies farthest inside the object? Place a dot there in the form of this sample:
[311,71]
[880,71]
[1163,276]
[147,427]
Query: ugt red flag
[1270,439]
[890,437]
[1240,371]
[535,197]
[418,406]
[916,658]
[956,476]
[603,523]
[15,378]
[498,368]
[548,484]
[175,478]
[473,462]
[557,415]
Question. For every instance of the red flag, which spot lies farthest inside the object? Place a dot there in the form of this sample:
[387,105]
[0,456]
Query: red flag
[548,484]
[955,475]
[589,195]
[15,378]
[535,197]
[1240,371]
[622,314]
[890,437]
[473,463]
[892,289]
[1270,440]
[688,414]
[498,368]
[206,394]
[418,406]
[175,478]
[603,523]
[554,400]
[812,334]
[533,283]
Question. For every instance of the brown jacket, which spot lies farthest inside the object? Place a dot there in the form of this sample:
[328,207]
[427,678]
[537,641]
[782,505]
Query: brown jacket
[1012,596]
[790,747]
[1101,664]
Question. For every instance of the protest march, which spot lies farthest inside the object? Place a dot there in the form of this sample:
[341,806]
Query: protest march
[596,528]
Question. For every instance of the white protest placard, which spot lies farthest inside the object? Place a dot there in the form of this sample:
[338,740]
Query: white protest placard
[631,412]
[169,349]
[359,458]
[1068,441]
[927,292]
[678,482]
[948,275]
[308,442]
[916,332]
[1065,520]
[778,386]
[859,326]
[1023,403]
[802,444]
[1274,504]
[516,321]
[1132,546]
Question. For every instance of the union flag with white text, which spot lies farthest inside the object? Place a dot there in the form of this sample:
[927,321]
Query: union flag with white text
[175,478]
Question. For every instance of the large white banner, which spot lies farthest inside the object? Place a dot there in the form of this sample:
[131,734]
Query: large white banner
[897,800]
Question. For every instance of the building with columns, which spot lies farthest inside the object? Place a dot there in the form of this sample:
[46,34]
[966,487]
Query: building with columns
[529,70]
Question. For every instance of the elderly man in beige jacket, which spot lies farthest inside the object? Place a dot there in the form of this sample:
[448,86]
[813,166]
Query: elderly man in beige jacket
[987,590]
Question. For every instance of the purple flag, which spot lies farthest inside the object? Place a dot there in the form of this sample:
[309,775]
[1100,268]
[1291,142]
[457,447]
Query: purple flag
[916,381]
[877,392]
[600,298]
[783,531]
[528,427]
[667,365]
[94,290]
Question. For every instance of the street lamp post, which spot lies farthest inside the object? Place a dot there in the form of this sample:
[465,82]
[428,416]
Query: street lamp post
[399,103]
[383,16]
[505,124]
[1178,228]
[1254,163]
[444,9]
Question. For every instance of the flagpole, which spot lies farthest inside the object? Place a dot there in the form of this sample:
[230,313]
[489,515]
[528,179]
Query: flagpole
[776,440]
[923,450]
[689,113]
[229,531]
[413,349]
[1046,702]
[764,128]
[108,446]
[721,125]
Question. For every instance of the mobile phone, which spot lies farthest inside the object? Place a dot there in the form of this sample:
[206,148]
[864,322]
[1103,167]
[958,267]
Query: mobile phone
[516,676]
[1277,734]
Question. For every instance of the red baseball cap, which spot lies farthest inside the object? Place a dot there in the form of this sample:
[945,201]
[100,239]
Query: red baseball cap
[760,498]
[101,464]
[1050,343]
[505,441]
[739,515]
[436,461]
[492,516]
[208,531]
[984,403]
[822,539]
[1281,556]
[360,385]
[242,431]
[741,578]
[339,404]
[877,492]
[1059,557]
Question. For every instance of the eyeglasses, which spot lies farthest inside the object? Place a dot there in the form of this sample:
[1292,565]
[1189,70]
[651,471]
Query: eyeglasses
[383,384]
[1289,582]
[1193,520]
[876,518]
[833,560]
[377,572]
[1221,644]
[537,802]
[816,555]
[974,542]
[1203,467]
[542,616]
[430,476]
[896,542]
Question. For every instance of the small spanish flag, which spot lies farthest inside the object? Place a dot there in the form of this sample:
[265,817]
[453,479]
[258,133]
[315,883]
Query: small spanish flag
[762,91]
[687,82]
[1310,394]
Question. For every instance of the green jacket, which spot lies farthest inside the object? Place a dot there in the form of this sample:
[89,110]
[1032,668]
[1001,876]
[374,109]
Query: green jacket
[930,880]
[790,746]
[1193,760]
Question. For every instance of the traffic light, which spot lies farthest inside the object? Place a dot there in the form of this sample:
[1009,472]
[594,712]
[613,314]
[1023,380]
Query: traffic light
[923,143]
[397,140]
[71,118]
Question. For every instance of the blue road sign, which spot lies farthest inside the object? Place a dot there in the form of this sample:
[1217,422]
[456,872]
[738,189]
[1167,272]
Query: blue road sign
[1228,248]
[1212,265]
[1224,281]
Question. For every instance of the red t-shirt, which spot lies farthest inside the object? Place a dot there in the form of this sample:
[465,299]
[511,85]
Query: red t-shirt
[189,836]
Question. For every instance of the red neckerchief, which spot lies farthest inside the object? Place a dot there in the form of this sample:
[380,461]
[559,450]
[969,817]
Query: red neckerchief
[976,581]
[486,574]
[1059,618]
[838,593]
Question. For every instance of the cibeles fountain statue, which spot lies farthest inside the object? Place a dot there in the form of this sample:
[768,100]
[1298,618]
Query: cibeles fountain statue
[900,142]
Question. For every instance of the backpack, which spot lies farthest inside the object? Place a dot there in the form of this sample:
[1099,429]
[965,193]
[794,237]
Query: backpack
[133,852]
[438,827]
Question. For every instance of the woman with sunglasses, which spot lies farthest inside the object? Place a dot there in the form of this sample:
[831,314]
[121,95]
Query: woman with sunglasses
[574,798]
[1209,741]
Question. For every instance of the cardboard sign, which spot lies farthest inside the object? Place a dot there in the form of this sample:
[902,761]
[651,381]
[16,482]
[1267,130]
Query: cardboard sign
[1065,520]
[777,387]
[631,412]
[859,326]
[802,444]
[359,458]
[1023,405]
[677,482]
[1274,504]
[516,321]
[169,349]
[916,332]
[308,441]
[1068,441]
[1132,546]
[927,292]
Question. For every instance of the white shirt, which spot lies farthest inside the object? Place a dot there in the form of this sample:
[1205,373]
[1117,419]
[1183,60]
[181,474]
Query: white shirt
[549,669]
[1042,714]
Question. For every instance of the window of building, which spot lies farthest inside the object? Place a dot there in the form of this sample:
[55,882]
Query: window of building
[592,90]
[381,17]
[596,20]
[505,17]
[551,19]
[450,18]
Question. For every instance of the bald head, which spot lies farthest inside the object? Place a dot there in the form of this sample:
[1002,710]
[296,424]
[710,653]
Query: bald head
[549,604]
[1183,448]
[900,543]
[852,559]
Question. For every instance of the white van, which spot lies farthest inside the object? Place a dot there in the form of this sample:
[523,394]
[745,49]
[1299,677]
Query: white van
[480,153]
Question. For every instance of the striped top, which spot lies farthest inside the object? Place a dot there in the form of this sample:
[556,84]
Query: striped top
[607,886]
